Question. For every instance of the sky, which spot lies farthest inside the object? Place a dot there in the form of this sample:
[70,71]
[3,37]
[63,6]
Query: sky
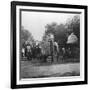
[35,22]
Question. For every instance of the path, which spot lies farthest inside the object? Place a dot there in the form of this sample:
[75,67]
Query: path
[29,70]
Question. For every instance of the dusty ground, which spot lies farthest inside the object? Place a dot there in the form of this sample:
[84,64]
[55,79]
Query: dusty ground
[30,70]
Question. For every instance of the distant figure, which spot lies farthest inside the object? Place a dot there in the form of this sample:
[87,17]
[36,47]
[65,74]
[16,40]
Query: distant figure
[56,46]
[28,51]
[56,50]
[23,52]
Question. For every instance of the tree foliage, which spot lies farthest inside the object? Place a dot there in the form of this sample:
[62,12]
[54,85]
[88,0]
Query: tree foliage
[74,25]
[26,36]
[62,31]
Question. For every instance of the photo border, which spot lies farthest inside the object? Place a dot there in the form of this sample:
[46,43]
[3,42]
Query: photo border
[13,44]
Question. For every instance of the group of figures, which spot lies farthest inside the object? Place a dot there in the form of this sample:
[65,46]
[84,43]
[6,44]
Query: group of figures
[48,49]
[40,51]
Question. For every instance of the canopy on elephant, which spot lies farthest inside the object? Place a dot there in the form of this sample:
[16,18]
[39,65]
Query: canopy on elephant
[72,38]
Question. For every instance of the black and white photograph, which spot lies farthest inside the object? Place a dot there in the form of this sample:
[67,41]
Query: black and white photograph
[49,44]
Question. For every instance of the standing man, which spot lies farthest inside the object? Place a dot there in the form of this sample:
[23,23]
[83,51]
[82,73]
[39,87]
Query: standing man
[51,40]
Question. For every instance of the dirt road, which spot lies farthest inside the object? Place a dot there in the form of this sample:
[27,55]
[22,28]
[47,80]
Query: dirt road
[32,71]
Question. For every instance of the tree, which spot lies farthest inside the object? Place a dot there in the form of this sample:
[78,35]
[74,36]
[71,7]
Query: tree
[25,35]
[58,31]
[50,28]
[62,31]
[74,26]
[60,35]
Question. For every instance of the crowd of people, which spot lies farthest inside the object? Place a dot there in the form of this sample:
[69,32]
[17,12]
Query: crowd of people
[37,50]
